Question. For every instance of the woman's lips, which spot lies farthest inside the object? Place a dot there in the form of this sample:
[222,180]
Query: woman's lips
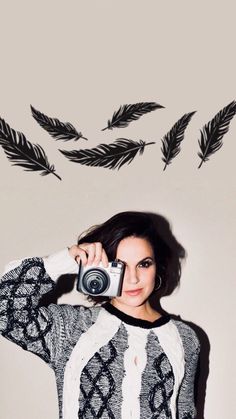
[133,293]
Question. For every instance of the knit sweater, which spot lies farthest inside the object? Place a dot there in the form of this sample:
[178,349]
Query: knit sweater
[107,364]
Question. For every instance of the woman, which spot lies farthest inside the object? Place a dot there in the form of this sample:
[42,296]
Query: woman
[122,358]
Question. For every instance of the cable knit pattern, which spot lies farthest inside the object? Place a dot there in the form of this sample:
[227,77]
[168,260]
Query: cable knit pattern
[55,331]
[186,392]
[21,320]
[157,382]
[101,380]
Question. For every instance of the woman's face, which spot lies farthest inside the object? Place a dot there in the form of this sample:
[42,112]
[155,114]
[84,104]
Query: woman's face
[140,270]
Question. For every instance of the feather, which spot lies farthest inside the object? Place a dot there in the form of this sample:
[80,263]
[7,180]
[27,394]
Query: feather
[129,113]
[20,151]
[57,129]
[112,155]
[213,132]
[172,140]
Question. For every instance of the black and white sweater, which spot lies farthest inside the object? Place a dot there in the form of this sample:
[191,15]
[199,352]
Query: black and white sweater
[107,364]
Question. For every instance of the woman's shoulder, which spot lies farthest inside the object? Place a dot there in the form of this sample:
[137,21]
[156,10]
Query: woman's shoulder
[75,315]
[188,335]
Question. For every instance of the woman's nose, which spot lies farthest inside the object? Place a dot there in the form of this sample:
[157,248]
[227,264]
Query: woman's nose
[131,276]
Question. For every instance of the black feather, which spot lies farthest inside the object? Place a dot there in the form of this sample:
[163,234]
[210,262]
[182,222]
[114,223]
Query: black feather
[172,140]
[57,129]
[112,155]
[23,153]
[213,132]
[129,113]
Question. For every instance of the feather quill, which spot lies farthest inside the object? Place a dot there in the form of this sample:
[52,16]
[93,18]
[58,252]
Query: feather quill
[57,129]
[213,132]
[23,153]
[172,140]
[112,155]
[129,113]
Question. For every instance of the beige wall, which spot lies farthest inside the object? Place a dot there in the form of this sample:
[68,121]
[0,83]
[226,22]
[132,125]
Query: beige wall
[79,61]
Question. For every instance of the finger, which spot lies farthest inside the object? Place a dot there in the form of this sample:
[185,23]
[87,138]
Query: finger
[77,253]
[85,250]
[82,256]
[73,251]
[98,253]
[104,259]
[91,253]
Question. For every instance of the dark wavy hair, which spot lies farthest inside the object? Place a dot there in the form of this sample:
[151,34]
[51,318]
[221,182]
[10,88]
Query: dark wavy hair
[152,227]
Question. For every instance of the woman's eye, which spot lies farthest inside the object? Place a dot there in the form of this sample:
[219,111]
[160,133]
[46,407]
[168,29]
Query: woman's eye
[145,264]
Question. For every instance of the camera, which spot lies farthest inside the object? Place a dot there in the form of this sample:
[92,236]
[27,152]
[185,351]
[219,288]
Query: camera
[101,281]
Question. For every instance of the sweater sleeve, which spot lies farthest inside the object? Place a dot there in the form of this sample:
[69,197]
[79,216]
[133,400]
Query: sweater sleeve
[22,320]
[186,402]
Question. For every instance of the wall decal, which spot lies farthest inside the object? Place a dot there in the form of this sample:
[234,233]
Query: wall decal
[213,132]
[172,140]
[112,155]
[23,153]
[129,113]
[57,129]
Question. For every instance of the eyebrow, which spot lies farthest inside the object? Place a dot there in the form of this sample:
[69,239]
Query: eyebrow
[142,260]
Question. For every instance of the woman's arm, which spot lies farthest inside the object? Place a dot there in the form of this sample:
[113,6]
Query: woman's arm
[43,330]
[22,320]
[186,398]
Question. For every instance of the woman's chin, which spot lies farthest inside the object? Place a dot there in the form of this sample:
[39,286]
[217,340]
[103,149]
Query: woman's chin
[132,301]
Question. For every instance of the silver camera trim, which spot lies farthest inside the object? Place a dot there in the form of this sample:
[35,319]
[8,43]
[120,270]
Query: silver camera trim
[115,275]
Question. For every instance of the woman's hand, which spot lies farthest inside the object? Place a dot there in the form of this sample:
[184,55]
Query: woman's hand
[89,253]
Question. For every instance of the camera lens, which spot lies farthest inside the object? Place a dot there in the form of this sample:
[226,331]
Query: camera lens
[95,281]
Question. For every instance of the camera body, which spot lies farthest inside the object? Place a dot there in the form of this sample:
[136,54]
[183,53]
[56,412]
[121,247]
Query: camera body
[101,281]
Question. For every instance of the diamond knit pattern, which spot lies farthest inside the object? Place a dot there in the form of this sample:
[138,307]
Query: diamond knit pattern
[21,320]
[101,380]
[188,416]
[157,382]
[53,332]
